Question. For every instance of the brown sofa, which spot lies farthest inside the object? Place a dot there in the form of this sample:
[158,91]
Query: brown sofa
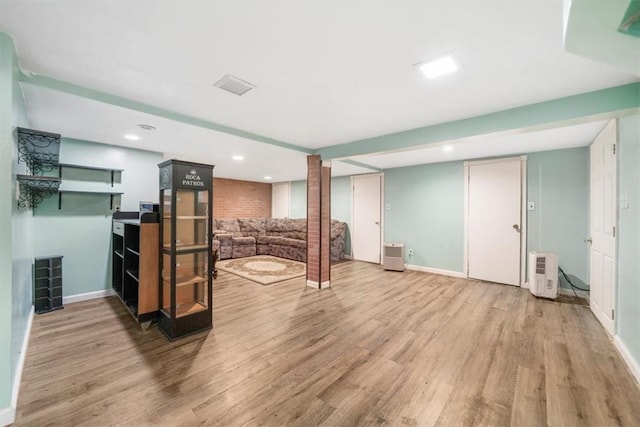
[281,237]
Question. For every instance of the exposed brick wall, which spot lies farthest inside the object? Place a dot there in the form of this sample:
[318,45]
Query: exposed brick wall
[318,221]
[241,199]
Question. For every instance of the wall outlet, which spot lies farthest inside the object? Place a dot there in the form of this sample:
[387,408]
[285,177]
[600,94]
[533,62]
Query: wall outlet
[531,206]
[410,252]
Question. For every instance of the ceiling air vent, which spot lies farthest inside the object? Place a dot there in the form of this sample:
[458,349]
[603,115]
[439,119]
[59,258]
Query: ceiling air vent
[234,85]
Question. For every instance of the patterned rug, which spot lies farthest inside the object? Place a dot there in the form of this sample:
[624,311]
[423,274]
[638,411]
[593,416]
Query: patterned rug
[263,269]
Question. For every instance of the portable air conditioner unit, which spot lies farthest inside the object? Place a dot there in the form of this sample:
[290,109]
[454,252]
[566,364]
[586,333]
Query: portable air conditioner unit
[393,256]
[543,274]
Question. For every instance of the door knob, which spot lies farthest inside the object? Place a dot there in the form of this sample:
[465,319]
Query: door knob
[377,222]
[516,227]
[588,240]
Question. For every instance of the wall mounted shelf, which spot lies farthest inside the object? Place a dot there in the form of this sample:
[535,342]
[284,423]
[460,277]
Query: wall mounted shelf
[34,189]
[111,195]
[39,150]
[92,168]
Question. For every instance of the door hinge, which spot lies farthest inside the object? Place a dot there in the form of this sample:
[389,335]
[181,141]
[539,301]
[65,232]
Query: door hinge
[613,314]
[614,149]
[614,231]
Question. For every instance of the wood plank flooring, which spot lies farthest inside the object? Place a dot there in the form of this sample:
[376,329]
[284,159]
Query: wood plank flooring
[379,348]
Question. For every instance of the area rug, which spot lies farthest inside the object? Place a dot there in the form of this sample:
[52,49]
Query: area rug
[263,269]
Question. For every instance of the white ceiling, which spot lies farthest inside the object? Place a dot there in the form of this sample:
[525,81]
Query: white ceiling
[326,72]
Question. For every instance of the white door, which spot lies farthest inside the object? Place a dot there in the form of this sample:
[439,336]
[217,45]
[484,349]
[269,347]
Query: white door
[280,200]
[602,257]
[494,220]
[366,212]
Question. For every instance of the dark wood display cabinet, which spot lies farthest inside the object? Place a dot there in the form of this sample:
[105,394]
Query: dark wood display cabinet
[185,269]
[135,263]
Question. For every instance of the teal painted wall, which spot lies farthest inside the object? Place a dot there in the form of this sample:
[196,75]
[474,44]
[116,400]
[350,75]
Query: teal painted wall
[16,251]
[298,199]
[340,203]
[427,210]
[6,211]
[427,213]
[81,230]
[558,184]
[341,206]
[628,310]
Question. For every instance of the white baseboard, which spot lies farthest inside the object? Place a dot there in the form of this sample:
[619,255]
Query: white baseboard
[436,271]
[633,365]
[347,257]
[314,284]
[89,295]
[8,415]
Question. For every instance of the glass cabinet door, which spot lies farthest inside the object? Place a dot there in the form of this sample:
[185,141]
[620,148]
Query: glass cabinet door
[186,280]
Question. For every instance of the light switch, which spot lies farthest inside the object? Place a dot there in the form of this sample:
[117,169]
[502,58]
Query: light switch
[531,206]
[388,206]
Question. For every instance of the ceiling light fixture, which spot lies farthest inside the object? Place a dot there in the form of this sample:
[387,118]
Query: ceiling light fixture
[439,66]
[237,157]
[132,137]
[267,177]
[146,127]
[234,84]
[447,148]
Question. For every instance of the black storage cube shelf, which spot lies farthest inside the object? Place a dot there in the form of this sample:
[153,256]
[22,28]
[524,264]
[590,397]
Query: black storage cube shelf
[47,279]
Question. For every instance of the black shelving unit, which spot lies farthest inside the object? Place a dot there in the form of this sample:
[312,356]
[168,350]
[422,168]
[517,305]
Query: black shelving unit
[186,273]
[135,263]
[47,289]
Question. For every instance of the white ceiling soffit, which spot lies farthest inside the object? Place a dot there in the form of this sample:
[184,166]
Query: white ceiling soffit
[327,74]
[103,123]
[491,146]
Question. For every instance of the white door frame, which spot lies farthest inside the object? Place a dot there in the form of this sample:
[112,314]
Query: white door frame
[381,175]
[523,212]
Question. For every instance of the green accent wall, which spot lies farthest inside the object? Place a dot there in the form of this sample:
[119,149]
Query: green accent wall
[340,203]
[427,213]
[81,230]
[6,193]
[628,300]
[298,199]
[16,251]
[427,210]
[558,184]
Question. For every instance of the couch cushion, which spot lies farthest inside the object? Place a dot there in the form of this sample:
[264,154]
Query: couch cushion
[244,241]
[229,225]
[284,241]
[252,226]
[293,228]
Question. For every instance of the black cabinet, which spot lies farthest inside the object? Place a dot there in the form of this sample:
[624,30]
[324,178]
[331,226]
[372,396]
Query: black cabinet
[186,271]
[135,263]
[47,289]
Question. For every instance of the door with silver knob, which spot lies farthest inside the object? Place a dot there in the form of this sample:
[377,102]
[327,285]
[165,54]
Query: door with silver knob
[367,218]
[494,210]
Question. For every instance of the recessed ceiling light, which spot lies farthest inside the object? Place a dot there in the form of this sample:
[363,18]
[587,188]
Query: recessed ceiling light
[146,127]
[132,137]
[439,66]
[447,148]
[237,157]
[267,177]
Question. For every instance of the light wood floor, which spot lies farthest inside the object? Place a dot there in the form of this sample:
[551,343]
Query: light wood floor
[379,348]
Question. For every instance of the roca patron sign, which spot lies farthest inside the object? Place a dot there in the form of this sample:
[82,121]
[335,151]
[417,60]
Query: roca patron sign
[192,179]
